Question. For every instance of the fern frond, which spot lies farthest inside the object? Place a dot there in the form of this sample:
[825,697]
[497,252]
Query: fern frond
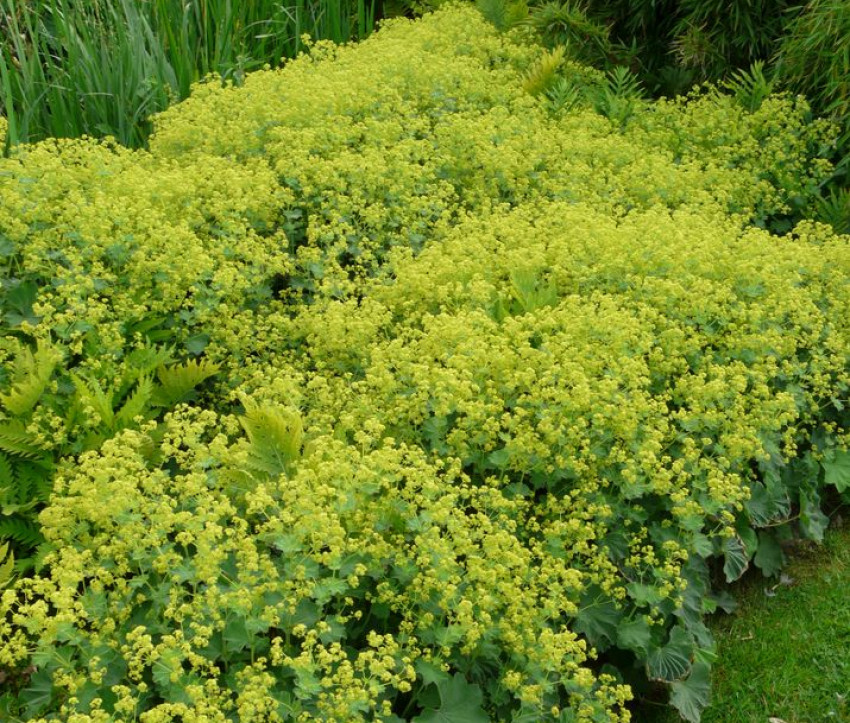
[177,381]
[7,565]
[530,293]
[543,73]
[136,403]
[620,95]
[23,531]
[623,83]
[750,87]
[563,96]
[15,440]
[144,362]
[7,474]
[35,480]
[563,22]
[834,209]
[504,14]
[32,372]
[91,395]
[275,435]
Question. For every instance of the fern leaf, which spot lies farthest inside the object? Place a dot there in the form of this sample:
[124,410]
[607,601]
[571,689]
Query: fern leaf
[34,480]
[33,372]
[91,394]
[7,565]
[177,381]
[563,96]
[530,293]
[38,560]
[504,14]
[623,83]
[750,87]
[275,436]
[136,403]
[23,531]
[15,440]
[543,73]
[7,473]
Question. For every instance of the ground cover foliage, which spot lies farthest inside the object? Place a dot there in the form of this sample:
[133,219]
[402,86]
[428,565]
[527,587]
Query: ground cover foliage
[437,378]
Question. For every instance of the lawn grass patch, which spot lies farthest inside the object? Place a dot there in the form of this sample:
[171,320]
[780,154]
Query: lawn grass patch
[785,652]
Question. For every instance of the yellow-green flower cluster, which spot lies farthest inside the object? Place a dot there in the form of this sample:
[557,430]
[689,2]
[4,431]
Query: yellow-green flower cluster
[488,385]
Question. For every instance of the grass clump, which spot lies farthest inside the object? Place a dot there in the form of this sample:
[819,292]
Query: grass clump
[102,68]
[414,394]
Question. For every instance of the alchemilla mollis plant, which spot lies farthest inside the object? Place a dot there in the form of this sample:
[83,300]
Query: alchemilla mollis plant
[437,378]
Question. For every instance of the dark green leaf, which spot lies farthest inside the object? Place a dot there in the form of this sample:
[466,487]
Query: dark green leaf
[837,471]
[813,522]
[634,635]
[430,673]
[672,661]
[736,560]
[460,702]
[691,696]
[597,620]
[769,558]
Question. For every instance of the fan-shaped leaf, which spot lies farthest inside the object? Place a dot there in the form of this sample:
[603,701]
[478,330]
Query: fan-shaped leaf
[673,661]
[735,559]
[692,695]
[837,471]
[460,702]
[769,558]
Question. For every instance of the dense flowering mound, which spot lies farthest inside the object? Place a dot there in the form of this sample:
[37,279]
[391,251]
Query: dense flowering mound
[386,388]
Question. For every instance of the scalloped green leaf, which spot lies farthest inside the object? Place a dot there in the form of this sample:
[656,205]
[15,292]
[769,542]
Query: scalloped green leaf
[673,660]
[692,695]
[837,471]
[735,559]
[769,558]
[813,522]
[460,702]
[634,635]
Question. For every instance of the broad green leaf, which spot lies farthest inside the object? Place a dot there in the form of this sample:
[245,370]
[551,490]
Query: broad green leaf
[460,702]
[837,471]
[236,636]
[736,560]
[760,506]
[672,661]
[634,635]
[196,344]
[691,696]
[748,537]
[38,694]
[598,622]
[769,558]
[644,594]
[430,673]
[813,522]
[702,545]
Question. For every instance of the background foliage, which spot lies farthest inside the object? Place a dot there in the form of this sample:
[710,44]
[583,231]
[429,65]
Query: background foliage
[104,67]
